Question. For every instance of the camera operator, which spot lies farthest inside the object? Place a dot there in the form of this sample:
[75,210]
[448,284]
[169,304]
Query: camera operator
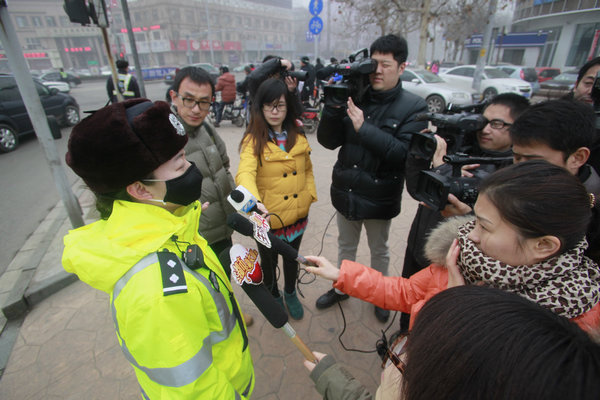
[562,132]
[368,177]
[583,92]
[309,84]
[274,67]
[492,141]
[271,67]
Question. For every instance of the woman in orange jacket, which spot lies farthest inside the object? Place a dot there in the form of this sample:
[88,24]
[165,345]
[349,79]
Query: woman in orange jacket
[275,167]
[528,237]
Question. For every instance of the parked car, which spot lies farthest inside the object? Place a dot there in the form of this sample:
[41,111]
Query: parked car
[62,86]
[560,85]
[446,65]
[527,74]
[14,120]
[546,73]
[72,79]
[105,70]
[493,82]
[211,69]
[436,92]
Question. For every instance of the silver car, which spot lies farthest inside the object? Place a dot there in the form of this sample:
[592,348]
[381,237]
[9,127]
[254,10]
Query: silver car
[435,90]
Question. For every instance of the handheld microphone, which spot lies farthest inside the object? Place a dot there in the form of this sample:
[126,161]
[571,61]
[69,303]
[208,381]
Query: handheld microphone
[245,269]
[243,226]
[242,200]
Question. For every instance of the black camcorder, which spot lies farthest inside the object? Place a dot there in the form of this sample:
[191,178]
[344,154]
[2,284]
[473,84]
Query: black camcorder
[433,188]
[354,82]
[454,128]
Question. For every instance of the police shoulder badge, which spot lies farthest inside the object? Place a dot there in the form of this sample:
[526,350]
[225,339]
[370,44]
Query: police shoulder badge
[177,125]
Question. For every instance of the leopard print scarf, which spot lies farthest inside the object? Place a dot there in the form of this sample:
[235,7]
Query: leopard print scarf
[568,284]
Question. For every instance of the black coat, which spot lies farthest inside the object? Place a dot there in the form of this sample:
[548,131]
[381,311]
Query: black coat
[368,177]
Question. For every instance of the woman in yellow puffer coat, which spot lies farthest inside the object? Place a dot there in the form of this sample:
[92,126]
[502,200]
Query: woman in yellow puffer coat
[275,167]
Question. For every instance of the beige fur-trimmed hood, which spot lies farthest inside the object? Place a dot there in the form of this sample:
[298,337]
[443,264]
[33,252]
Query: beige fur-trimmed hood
[440,238]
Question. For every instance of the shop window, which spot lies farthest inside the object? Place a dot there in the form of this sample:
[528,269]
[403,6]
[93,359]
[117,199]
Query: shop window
[50,21]
[582,42]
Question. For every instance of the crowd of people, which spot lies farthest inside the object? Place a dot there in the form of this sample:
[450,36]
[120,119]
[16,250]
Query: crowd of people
[500,297]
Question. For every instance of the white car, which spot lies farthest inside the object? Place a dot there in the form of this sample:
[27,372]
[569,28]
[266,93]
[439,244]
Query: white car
[493,82]
[435,90]
[61,86]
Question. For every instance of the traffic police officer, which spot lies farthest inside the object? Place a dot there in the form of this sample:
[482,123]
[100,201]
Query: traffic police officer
[177,320]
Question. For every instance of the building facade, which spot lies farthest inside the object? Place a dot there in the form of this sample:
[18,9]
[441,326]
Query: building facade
[572,28]
[173,33]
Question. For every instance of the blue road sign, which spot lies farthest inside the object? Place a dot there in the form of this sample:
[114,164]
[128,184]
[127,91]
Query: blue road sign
[315,25]
[315,7]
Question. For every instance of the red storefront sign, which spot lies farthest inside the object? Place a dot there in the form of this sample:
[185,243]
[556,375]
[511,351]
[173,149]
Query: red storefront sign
[204,45]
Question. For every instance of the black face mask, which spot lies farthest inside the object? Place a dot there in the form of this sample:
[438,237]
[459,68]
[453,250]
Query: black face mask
[186,188]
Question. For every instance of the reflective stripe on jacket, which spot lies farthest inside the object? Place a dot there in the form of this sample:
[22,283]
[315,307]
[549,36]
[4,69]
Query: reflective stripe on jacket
[185,345]
[123,82]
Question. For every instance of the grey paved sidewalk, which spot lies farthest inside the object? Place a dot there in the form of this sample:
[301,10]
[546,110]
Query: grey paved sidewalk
[66,347]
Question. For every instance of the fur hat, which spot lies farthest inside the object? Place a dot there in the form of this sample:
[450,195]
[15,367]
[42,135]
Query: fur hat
[123,143]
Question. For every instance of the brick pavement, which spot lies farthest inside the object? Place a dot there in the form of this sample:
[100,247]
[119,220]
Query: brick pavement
[66,347]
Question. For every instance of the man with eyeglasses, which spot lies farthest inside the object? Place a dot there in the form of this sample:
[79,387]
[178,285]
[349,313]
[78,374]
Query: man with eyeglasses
[191,98]
[562,132]
[492,141]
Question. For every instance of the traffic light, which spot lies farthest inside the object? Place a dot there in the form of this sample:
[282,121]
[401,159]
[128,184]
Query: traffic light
[81,11]
[77,11]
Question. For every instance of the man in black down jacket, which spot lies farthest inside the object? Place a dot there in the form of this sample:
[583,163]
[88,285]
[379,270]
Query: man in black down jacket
[368,176]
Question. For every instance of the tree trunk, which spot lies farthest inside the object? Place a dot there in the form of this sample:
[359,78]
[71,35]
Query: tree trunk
[425,18]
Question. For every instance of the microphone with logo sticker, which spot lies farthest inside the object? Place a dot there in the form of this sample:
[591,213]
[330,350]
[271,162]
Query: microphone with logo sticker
[242,200]
[246,272]
[245,227]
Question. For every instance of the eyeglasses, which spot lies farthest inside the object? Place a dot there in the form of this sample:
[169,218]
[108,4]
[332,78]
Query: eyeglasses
[394,354]
[497,123]
[281,107]
[190,103]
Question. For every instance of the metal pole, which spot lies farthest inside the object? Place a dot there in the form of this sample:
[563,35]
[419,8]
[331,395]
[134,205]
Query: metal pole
[36,112]
[111,62]
[189,49]
[212,54]
[328,28]
[132,45]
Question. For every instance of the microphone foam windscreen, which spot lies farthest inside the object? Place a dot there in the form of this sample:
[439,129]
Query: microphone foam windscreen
[273,311]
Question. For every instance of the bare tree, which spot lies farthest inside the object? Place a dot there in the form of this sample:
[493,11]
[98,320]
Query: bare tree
[459,18]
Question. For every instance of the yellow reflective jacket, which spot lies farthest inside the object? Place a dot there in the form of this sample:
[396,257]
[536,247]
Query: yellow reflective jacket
[182,346]
[282,181]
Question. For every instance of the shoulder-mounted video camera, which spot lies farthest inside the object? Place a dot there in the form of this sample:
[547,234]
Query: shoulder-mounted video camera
[454,128]
[433,187]
[354,82]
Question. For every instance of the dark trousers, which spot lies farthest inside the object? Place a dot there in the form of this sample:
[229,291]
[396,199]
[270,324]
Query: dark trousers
[268,262]
[220,106]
